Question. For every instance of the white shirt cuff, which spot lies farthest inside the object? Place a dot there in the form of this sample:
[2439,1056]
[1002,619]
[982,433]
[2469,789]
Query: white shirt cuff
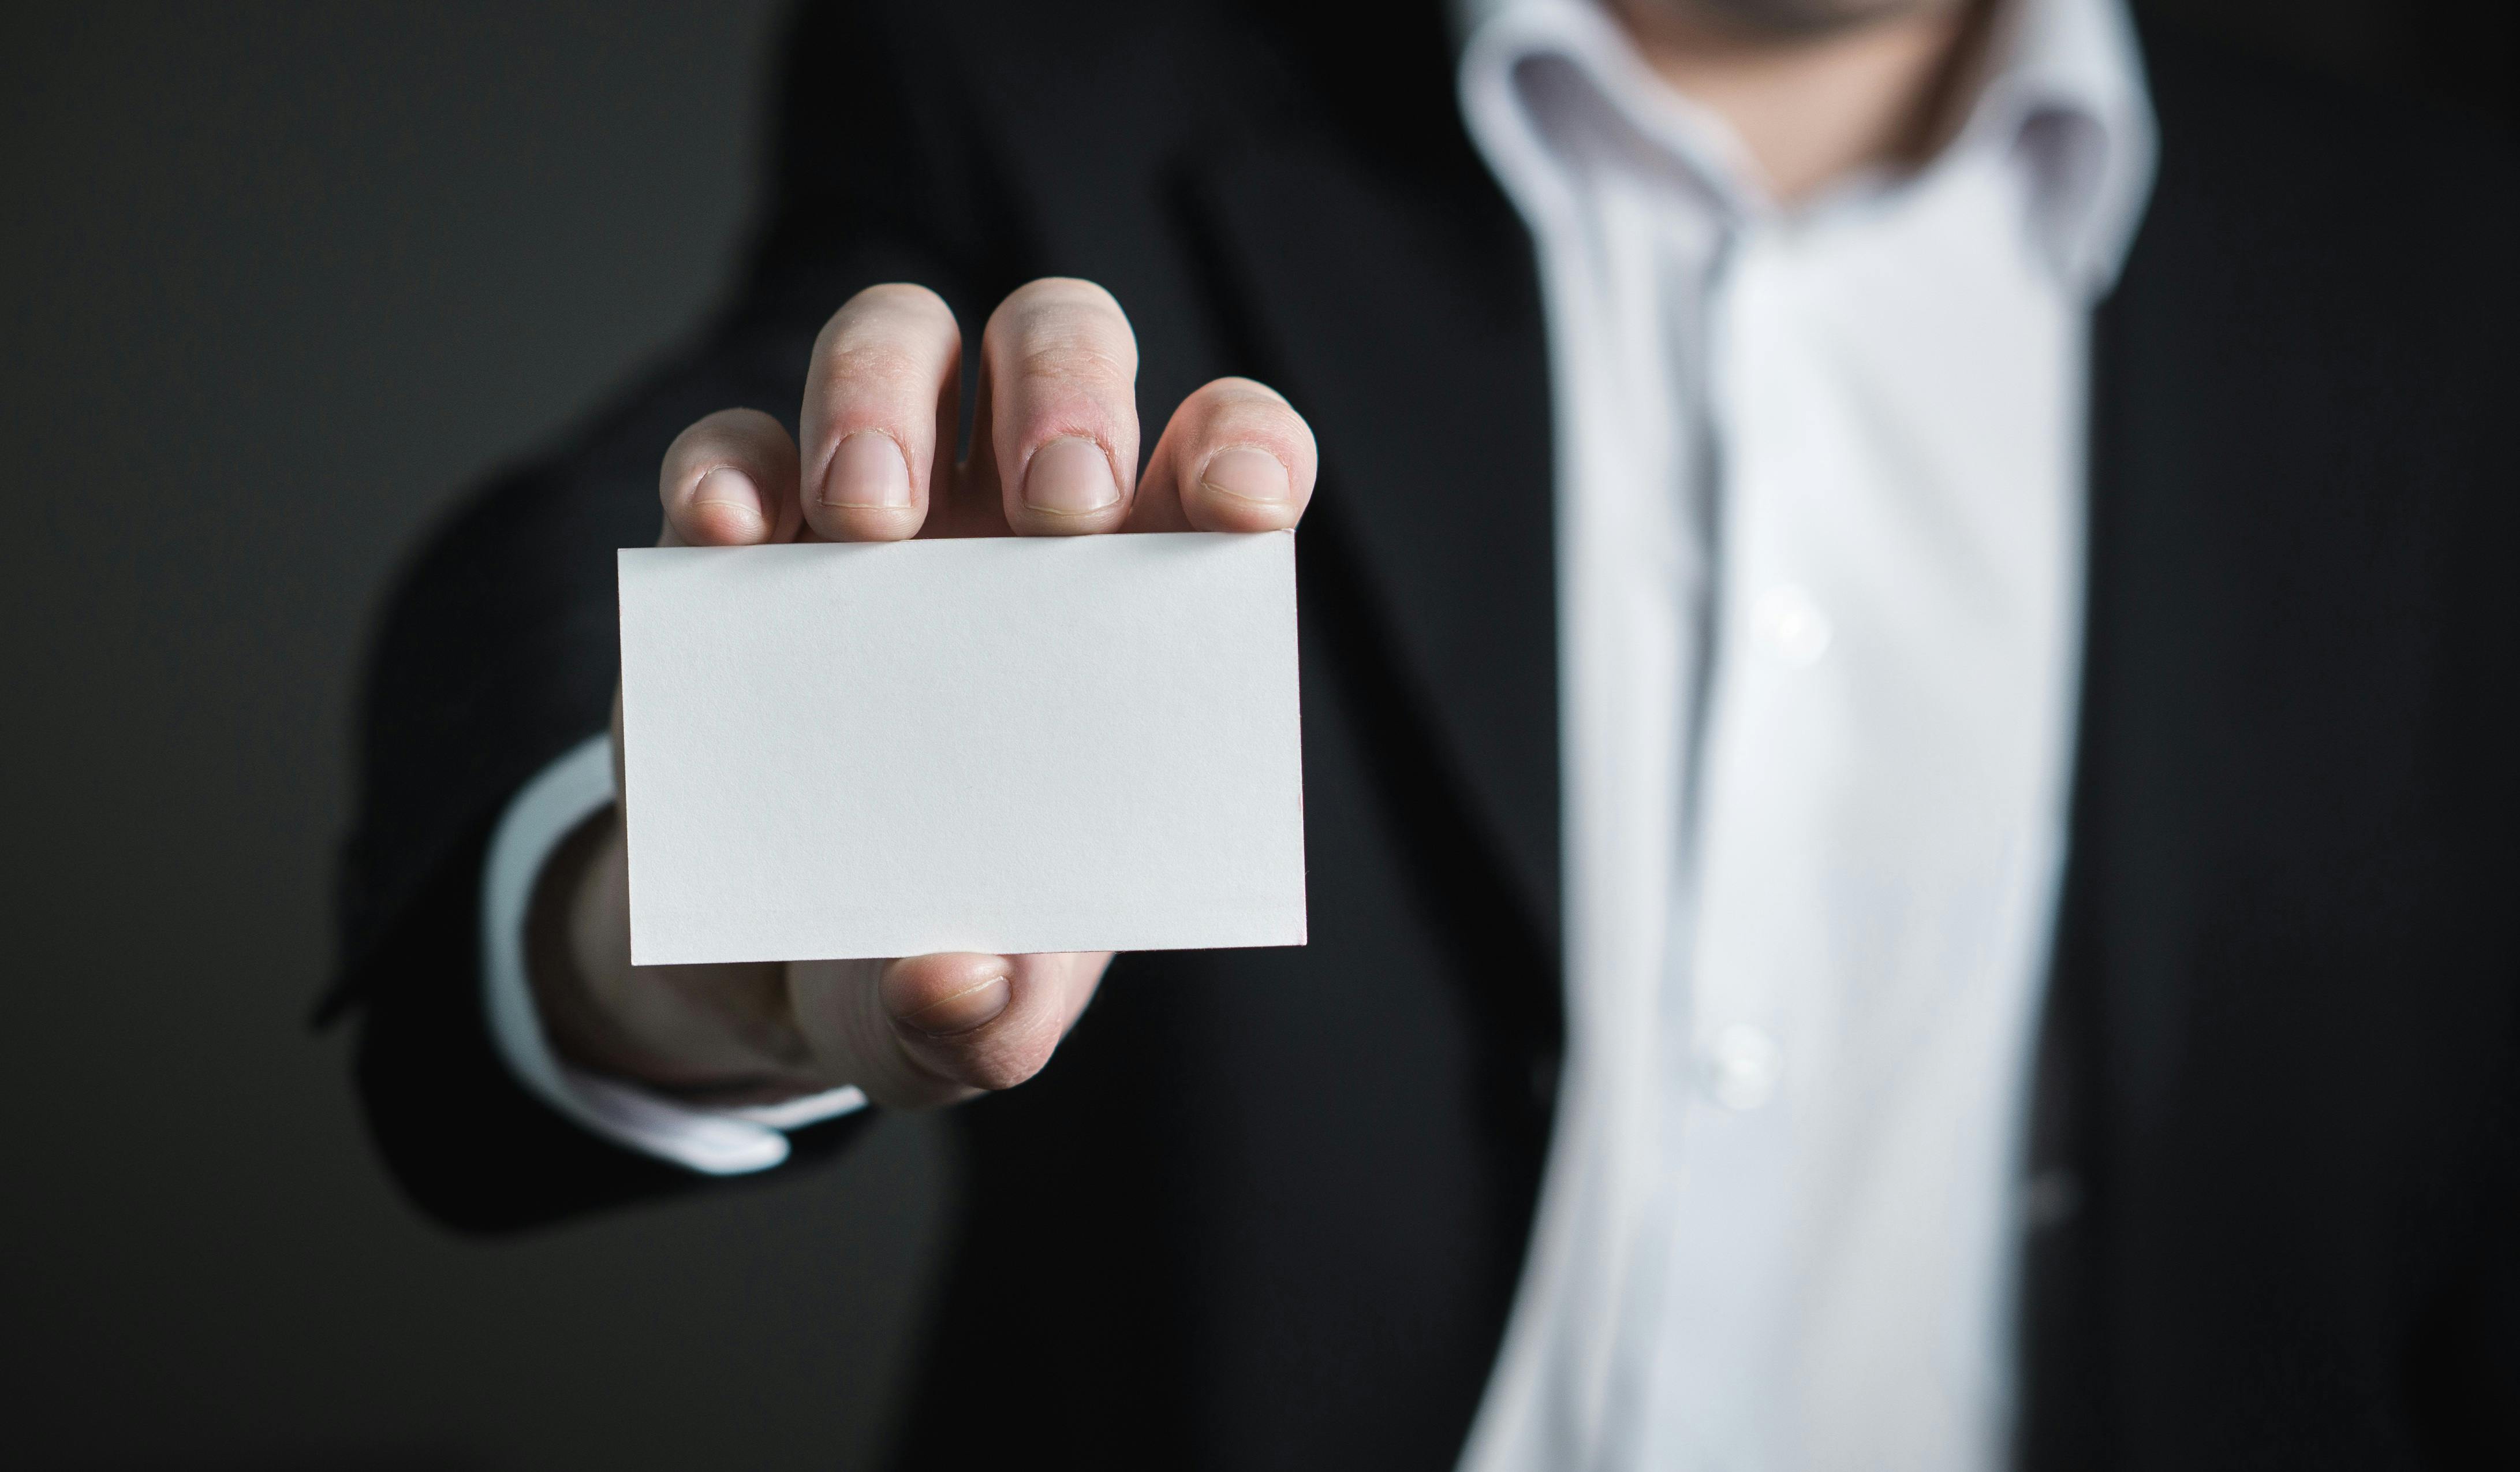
[715,1141]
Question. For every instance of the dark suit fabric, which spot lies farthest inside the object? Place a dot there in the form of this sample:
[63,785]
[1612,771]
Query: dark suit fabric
[1270,1205]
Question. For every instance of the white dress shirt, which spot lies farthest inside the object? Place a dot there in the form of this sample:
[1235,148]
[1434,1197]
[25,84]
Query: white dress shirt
[1820,480]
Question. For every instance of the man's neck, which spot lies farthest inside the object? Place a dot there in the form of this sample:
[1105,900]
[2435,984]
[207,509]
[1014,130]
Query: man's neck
[1814,110]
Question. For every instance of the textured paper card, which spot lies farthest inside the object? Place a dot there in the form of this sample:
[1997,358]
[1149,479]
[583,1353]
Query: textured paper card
[998,745]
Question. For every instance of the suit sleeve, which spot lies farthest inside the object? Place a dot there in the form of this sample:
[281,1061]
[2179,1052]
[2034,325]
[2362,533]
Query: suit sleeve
[497,649]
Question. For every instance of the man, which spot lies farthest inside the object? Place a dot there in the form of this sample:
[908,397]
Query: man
[1905,741]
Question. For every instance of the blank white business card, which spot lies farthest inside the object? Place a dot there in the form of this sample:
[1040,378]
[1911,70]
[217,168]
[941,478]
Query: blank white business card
[1001,745]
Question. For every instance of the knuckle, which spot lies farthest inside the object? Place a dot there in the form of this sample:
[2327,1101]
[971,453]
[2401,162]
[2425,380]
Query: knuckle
[1275,428]
[1239,410]
[877,363]
[1061,355]
[1065,329]
[887,336]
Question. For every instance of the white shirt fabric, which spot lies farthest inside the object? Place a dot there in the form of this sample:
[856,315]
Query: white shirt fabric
[1819,479]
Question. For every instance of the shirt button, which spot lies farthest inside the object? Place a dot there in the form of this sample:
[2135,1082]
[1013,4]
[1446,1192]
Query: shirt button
[1788,622]
[1743,1067]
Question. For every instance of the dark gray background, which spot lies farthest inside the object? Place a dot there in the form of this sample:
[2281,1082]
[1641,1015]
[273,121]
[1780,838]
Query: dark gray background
[275,282]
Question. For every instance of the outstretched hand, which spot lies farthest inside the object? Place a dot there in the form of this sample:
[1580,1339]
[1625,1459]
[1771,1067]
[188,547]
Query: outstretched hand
[1055,452]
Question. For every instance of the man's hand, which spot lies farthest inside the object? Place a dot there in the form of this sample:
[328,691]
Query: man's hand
[1053,454]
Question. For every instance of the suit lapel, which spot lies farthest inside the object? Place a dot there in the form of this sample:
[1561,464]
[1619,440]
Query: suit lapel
[1402,317]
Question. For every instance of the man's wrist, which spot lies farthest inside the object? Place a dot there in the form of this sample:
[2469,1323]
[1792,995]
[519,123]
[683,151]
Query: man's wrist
[579,787]
[577,1028]
[670,1034]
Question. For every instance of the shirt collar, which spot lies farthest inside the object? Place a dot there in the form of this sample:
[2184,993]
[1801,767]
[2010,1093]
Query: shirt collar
[2070,92]
[2065,89]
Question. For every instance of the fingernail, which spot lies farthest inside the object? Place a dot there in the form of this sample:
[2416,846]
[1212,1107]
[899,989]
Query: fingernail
[1248,475]
[1070,476]
[732,490]
[962,1012]
[866,470]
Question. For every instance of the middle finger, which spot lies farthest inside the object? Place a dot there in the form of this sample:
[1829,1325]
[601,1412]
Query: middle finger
[1058,417]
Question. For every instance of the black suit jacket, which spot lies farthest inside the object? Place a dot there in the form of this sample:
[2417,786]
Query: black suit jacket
[1292,1187]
